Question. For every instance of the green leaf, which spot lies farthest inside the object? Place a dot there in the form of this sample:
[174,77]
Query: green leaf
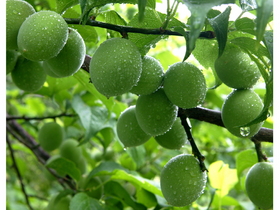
[118,172]
[65,167]
[268,41]
[244,160]
[220,26]
[145,197]
[138,154]
[247,5]
[93,118]
[199,10]
[88,33]
[222,177]
[264,11]
[81,201]
[246,25]
[83,77]
[62,5]
[182,31]
[115,189]
[141,9]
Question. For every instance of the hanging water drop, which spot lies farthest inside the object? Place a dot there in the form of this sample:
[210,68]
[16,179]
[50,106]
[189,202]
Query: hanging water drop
[245,131]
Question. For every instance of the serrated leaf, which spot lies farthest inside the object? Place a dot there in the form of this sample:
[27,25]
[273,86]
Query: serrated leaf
[81,201]
[93,118]
[220,26]
[245,159]
[264,11]
[199,10]
[64,166]
[62,5]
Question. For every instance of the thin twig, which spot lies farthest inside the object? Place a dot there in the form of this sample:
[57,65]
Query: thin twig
[18,173]
[39,118]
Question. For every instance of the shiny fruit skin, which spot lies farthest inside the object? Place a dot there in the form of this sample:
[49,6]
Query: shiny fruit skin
[236,69]
[70,59]
[259,184]
[16,13]
[115,67]
[151,77]
[239,108]
[182,181]
[50,136]
[42,35]
[184,85]
[175,138]
[128,129]
[11,60]
[28,75]
[70,150]
[155,113]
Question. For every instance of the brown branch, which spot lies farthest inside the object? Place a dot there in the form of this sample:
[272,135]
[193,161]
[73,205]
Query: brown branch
[39,118]
[18,172]
[214,117]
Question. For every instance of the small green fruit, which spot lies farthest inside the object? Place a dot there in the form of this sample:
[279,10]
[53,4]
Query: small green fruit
[128,129]
[184,85]
[70,150]
[42,35]
[16,13]
[50,136]
[151,77]
[259,185]
[240,108]
[175,138]
[182,181]
[28,75]
[70,58]
[236,69]
[155,113]
[115,67]
[11,60]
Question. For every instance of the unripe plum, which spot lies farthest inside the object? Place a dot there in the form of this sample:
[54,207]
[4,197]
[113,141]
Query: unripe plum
[155,113]
[184,85]
[50,136]
[236,69]
[70,150]
[70,59]
[11,60]
[175,138]
[28,75]
[115,67]
[182,181]
[240,108]
[128,129]
[16,13]
[42,35]
[259,185]
[151,77]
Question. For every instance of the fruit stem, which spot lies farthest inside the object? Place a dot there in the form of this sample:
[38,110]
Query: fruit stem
[258,147]
[195,149]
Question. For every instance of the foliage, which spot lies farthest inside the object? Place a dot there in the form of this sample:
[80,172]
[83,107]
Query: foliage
[195,31]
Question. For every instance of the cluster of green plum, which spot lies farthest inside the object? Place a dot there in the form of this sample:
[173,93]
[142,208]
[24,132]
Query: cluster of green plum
[117,68]
[39,44]
[238,71]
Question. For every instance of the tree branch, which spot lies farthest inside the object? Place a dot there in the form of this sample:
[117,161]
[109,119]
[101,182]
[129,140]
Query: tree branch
[39,118]
[214,117]
[127,29]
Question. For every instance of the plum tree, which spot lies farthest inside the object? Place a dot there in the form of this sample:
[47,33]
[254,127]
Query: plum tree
[42,35]
[184,85]
[128,129]
[50,136]
[70,59]
[28,75]
[259,184]
[182,180]
[240,108]
[155,113]
[174,138]
[236,69]
[151,77]
[117,75]
[16,13]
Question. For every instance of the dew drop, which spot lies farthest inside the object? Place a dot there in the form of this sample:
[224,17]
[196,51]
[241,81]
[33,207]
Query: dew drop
[245,131]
